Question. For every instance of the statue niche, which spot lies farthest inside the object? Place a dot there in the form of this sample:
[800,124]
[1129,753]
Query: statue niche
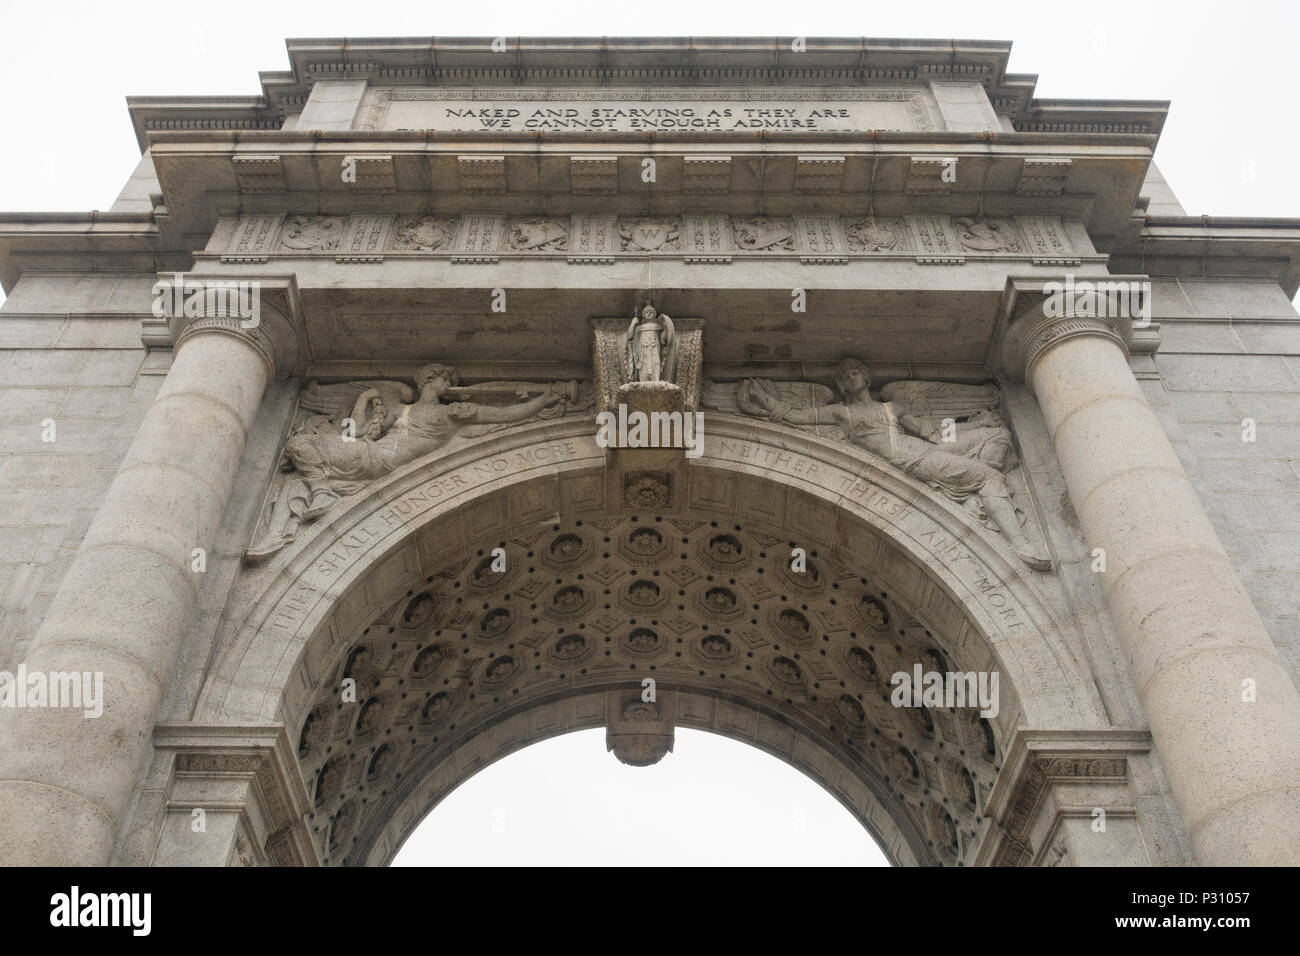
[350,433]
[651,363]
[651,351]
[950,436]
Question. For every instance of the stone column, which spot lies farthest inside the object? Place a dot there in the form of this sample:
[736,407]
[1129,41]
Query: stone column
[1195,644]
[123,609]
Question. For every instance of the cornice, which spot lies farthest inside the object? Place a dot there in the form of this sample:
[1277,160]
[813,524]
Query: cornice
[631,61]
[207,175]
[1212,246]
[1091,116]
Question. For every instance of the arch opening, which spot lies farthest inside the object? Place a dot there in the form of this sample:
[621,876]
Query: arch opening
[713,800]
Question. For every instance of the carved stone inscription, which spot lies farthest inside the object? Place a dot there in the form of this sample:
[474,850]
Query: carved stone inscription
[636,110]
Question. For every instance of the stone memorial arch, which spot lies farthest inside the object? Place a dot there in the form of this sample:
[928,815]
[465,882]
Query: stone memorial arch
[381,514]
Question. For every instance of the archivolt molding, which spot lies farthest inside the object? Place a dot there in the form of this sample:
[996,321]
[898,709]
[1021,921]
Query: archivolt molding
[347,562]
[956,571]
[390,555]
[837,498]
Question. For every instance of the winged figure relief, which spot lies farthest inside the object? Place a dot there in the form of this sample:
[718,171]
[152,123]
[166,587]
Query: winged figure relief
[950,436]
[350,433]
[650,354]
[729,397]
[965,419]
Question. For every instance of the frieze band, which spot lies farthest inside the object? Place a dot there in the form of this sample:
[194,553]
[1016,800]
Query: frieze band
[581,238]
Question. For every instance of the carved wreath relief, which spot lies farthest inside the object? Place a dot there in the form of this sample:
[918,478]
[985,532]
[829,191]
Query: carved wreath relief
[874,235]
[649,235]
[423,233]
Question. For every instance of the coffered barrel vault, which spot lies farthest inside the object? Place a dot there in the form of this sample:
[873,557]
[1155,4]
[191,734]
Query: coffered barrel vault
[332,514]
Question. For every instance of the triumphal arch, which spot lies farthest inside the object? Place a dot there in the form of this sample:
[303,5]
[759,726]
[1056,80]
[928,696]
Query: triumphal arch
[453,394]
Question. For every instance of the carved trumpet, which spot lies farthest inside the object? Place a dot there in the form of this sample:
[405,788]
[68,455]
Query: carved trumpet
[509,390]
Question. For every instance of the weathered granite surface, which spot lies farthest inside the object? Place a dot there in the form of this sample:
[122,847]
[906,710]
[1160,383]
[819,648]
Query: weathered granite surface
[450,255]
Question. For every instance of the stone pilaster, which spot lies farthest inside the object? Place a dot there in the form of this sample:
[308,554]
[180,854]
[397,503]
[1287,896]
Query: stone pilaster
[1221,708]
[126,602]
[1079,799]
[236,798]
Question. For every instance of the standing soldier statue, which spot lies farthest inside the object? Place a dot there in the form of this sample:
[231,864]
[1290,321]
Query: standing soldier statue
[651,353]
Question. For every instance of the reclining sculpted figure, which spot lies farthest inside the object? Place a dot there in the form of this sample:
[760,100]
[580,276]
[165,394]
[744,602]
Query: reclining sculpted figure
[916,429]
[392,424]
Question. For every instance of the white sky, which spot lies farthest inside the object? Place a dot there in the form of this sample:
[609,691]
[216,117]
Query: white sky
[1229,149]
[1228,68]
[710,802]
